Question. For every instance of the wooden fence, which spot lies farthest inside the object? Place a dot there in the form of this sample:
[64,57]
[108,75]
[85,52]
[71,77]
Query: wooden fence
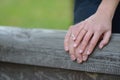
[38,54]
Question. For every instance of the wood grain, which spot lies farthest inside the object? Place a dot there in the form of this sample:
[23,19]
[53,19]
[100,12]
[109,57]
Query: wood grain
[10,71]
[44,48]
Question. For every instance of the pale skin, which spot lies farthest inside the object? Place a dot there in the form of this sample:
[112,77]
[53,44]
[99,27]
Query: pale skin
[82,38]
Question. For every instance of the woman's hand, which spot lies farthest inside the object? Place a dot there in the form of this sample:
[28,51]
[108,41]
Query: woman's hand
[86,35]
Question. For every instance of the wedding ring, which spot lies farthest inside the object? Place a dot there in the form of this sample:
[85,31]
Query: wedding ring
[72,35]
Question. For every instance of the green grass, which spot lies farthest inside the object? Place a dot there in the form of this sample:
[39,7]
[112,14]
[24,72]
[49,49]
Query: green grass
[51,14]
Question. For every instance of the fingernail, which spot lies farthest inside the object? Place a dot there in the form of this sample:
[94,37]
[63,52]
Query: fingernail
[75,45]
[88,53]
[101,46]
[79,60]
[73,57]
[84,58]
[80,51]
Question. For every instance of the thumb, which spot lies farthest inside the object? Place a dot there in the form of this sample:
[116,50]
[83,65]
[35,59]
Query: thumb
[106,38]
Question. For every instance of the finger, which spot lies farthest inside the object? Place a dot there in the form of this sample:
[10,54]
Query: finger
[93,43]
[78,55]
[66,40]
[76,30]
[84,55]
[80,37]
[79,58]
[72,50]
[105,40]
[85,41]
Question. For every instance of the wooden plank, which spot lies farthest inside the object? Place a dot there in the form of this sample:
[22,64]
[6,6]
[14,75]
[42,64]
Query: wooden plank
[45,48]
[10,71]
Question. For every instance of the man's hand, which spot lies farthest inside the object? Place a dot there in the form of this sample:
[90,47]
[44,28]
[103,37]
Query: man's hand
[82,38]
[90,32]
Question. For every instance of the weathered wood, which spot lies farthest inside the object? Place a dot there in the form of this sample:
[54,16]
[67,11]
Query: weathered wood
[26,72]
[41,47]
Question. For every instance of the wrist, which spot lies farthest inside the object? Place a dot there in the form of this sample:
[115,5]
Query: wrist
[104,13]
[107,8]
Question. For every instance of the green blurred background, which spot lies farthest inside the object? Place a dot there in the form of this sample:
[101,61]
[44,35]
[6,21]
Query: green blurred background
[50,14]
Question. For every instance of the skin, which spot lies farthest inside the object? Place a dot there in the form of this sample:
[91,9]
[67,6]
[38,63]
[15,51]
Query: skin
[82,38]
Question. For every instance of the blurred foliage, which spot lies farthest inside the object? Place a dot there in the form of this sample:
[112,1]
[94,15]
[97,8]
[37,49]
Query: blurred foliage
[51,14]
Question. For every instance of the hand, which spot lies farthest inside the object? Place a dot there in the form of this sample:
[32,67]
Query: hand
[90,32]
[68,44]
[87,34]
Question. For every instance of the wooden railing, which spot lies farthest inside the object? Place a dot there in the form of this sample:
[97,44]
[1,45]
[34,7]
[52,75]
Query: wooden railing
[38,54]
